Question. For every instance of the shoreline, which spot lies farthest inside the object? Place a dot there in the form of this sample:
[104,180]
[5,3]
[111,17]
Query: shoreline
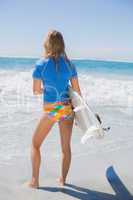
[99,168]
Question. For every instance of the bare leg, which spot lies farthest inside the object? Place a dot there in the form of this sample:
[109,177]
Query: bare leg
[40,133]
[65,134]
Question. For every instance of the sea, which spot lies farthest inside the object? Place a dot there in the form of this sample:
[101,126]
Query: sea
[107,87]
[102,82]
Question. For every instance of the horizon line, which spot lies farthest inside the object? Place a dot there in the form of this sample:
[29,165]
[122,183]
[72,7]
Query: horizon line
[72,58]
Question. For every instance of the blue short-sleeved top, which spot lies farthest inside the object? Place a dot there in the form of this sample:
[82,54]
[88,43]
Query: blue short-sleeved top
[55,78]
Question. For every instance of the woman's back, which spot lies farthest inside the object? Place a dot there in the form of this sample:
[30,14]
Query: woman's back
[55,76]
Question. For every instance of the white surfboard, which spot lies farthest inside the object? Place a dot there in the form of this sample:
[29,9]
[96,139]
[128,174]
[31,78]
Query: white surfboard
[85,119]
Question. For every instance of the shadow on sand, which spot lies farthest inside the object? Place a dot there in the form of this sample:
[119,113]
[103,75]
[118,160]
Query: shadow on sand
[121,192]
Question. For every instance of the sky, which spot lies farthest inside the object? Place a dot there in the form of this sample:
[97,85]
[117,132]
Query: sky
[92,29]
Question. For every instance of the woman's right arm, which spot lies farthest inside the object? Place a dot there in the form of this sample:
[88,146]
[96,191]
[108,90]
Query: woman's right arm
[75,85]
[74,80]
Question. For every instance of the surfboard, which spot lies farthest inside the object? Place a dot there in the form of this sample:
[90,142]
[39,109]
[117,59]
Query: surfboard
[85,119]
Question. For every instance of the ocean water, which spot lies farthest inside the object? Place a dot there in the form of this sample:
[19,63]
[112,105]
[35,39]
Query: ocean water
[102,82]
[106,86]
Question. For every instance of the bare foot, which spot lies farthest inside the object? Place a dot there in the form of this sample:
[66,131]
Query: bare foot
[32,184]
[61,181]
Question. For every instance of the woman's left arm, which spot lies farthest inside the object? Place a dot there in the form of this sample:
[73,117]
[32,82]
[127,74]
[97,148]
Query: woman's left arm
[37,77]
[37,86]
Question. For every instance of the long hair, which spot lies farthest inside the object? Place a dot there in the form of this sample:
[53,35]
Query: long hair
[54,46]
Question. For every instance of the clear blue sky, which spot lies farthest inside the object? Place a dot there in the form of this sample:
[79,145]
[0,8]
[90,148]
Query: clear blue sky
[95,29]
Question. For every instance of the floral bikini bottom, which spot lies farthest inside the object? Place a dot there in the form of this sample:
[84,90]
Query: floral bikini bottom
[58,111]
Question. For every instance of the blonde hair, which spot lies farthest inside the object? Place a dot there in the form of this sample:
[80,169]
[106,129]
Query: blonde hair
[54,46]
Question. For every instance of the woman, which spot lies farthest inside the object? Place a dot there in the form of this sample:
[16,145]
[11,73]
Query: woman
[54,72]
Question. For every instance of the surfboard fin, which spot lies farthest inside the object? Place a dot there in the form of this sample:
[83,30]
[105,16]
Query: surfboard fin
[98,118]
[107,128]
[100,121]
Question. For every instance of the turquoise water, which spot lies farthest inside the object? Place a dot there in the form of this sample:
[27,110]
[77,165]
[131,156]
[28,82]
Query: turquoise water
[89,66]
[102,82]
[16,63]
[106,67]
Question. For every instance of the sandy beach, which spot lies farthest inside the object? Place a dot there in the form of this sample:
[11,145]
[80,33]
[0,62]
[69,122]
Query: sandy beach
[57,42]
[100,169]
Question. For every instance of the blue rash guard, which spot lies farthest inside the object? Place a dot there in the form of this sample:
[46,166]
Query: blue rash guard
[55,78]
